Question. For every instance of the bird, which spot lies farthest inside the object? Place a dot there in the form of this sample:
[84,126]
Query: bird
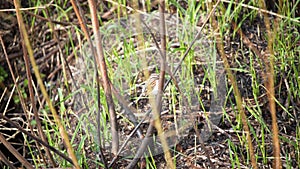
[149,87]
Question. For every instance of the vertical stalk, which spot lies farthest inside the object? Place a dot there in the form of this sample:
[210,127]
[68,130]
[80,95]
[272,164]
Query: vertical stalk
[236,91]
[106,83]
[269,83]
[62,130]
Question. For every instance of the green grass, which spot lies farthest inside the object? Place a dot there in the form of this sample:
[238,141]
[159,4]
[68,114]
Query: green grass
[187,73]
[123,70]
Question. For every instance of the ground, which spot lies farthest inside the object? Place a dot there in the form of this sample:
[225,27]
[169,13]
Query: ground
[225,147]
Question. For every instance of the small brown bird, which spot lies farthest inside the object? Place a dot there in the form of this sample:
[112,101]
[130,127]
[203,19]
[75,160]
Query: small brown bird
[150,87]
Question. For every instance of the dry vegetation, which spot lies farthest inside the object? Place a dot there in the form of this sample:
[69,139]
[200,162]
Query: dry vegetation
[233,102]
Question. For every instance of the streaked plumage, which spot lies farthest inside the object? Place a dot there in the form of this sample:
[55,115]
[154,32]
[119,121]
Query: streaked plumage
[151,85]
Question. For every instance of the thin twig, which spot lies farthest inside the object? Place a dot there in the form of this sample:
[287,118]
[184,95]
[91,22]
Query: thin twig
[106,84]
[137,127]
[147,140]
[158,104]
[40,130]
[83,26]
[36,138]
[15,152]
[6,161]
[236,91]
[269,83]
[62,130]
[264,11]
